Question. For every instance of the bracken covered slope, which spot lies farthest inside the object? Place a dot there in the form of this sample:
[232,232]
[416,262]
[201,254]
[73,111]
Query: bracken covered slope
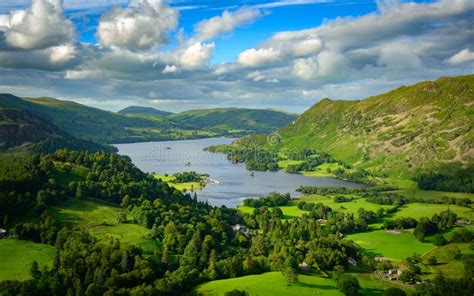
[428,125]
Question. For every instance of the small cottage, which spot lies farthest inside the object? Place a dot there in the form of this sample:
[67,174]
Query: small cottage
[240,228]
[352,261]
[304,267]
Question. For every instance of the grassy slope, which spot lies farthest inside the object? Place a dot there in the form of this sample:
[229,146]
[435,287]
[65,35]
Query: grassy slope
[235,119]
[418,210]
[17,257]
[449,266]
[394,246]
[419,126]
[273,283]
[22,130]
[100,218]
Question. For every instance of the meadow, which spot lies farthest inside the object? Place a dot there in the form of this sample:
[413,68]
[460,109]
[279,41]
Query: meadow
[292,211]
[187,186]
[418,210]
[18,255]
[273,283]
[100,218]
[393,246]
[346,207]
[449,264]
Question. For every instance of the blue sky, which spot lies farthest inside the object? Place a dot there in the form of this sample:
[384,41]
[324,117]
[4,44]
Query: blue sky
[284,18]
[178,55]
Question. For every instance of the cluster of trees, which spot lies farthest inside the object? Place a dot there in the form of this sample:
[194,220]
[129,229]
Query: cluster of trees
[186,177]
[357,175]
[273,199]
[362,191]
[342,198]
[255,159]
[458,180]
[310,159]
[438,222]
[426,226]
[400,223]
[387,199]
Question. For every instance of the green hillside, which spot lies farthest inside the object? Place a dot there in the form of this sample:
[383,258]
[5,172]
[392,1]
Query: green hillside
[23,130]
[235,119]
[98,125]
[139,110]
[426,126]
[136,124]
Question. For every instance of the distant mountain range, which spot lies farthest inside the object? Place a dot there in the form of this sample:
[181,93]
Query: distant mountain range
[428,125]
[139,110]
[235,119]
[26,122]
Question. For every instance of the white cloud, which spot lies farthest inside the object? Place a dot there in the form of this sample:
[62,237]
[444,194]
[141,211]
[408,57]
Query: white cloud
[40,26]
[225,23]
[306,69]
[143,25]
[258,57]
[170,69]
[325,65]
[197,55]
[461,57]
[62,54]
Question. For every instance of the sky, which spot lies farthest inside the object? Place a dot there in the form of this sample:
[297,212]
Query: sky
[187,54]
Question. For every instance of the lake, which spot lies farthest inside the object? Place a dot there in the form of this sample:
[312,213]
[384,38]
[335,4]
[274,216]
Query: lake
[235,182]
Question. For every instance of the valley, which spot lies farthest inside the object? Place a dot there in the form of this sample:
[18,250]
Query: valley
[314,204]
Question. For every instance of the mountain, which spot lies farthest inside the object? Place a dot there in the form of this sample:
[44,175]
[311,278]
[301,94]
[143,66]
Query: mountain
[98,125]
[235,119]
[139,110]
[426,126]
[21,130]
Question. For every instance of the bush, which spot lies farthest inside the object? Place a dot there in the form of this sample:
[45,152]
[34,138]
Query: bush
[439,240]
[236,293]
[394,292]
[348,284]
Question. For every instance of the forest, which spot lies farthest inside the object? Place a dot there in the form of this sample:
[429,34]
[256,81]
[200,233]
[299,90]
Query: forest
[197,242]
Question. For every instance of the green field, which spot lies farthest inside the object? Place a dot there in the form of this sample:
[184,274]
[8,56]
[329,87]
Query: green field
[410,189]
[393,246]
[273,283]
[100,218]
[17,257]
[449,266]
[292,211]
[289,212]
[188,186]
[418,210]
[346,207]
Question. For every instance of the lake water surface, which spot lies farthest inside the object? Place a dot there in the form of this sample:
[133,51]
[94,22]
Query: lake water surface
[235,182]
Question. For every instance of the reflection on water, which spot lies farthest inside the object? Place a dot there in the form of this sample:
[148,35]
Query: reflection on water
[234,184]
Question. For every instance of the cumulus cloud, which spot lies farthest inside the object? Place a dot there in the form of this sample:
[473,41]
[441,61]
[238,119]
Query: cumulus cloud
[41,26]
[461,57]
[258,57]
[225,23]
[396,38]
[52,59]
[143,25]
[197,54]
